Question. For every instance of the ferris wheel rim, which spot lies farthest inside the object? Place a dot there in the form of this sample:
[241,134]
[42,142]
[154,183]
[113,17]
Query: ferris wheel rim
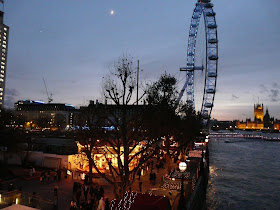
[204,9]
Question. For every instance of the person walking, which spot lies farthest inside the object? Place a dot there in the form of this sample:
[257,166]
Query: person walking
[158,166]
[78,196]
[154,176]
[101,192]
[86,189]
[55,176]
[73,205]
[101,205]
[140,186]
[42,178]
[107,204]
[139,173]
[48,176]
[59,174]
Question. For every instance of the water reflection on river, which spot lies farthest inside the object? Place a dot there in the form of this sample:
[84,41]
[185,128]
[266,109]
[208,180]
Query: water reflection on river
[244,174]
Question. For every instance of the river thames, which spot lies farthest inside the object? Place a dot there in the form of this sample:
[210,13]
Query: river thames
[244,174]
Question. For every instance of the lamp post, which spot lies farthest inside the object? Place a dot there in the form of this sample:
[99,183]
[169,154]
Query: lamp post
[182,167]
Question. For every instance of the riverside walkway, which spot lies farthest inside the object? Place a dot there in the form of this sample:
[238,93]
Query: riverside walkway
[45,190]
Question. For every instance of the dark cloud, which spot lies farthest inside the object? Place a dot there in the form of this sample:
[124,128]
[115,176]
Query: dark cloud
[10,95]
[274,93]
[234,97]
[263,88]
[9,101]
[11,92]
[275,85]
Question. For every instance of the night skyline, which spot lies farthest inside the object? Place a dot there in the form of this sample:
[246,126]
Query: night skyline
[72,45]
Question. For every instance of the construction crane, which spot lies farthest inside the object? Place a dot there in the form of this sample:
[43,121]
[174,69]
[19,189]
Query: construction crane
[49,96]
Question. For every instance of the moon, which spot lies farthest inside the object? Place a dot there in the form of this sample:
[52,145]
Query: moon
[112,12]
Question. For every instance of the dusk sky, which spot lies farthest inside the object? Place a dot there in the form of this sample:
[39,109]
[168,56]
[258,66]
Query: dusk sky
[73,43]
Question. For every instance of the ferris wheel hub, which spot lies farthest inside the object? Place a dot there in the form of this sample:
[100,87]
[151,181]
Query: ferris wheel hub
[192,68]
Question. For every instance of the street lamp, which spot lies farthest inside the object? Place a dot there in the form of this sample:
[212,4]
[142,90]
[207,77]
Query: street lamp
[182,167]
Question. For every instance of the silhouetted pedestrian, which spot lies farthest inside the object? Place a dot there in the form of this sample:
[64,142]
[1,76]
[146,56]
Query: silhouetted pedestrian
[73,205]
[86,189]
[154,176]
[78,196]
[140,186]
[107,204]
[42,178]
[139,173]
[101,204]
[59,175]
[158,166]
[55,176]
[32,200]
[101,191]
[48,175]
[151,178]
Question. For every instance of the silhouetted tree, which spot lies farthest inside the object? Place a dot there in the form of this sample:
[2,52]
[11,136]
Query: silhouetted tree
[128,142]
[90,130]
[11,137]
[168,119]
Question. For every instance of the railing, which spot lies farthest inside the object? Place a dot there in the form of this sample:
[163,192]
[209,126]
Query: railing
[240,135]
[198,197]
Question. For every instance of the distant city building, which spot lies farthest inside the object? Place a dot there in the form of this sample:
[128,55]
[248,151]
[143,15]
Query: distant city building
[113,112]
[258,112]
[59,146]
[257,124]
[267,120]
[260,122]
[222,125]
[4,34]
[38,114]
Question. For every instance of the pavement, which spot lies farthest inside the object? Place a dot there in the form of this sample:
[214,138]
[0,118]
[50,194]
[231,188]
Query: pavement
[45,189]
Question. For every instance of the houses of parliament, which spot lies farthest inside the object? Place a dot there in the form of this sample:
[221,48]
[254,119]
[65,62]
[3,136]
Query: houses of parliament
[260,122]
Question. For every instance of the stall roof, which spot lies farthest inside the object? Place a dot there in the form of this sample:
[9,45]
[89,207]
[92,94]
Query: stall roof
[18,207]
[143,201]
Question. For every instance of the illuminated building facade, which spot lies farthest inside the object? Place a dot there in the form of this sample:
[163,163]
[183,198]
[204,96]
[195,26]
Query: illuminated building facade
[260,122]
[257,124]
[4,34]
[258,112]
[80,161]
[38,114]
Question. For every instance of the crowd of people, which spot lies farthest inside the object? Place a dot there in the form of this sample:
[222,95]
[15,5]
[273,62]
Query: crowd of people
[89,197]
[52,175]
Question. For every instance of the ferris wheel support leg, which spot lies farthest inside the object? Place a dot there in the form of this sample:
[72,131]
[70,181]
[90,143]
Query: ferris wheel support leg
[182,91]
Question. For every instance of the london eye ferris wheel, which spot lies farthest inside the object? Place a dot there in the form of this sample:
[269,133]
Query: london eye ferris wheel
[202,60]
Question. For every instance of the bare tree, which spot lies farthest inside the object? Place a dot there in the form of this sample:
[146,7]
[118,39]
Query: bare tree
[128,142]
